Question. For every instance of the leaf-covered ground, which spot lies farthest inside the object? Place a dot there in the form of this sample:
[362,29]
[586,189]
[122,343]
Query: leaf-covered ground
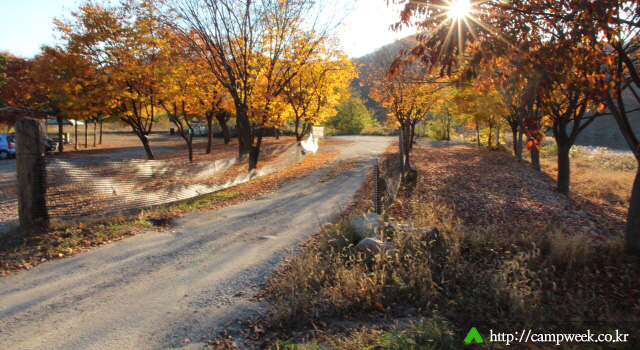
[488,189]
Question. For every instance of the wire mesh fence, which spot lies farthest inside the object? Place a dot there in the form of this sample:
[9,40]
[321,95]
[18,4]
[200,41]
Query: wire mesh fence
[387,177]
[98,187]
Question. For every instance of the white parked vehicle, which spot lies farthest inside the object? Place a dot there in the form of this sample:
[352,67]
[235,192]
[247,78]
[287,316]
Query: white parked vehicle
[7,146]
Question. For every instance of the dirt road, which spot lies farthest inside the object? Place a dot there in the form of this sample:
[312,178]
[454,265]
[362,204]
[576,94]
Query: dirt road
[168,290]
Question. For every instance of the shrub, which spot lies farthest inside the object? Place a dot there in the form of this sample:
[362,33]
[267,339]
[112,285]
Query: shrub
[352,117]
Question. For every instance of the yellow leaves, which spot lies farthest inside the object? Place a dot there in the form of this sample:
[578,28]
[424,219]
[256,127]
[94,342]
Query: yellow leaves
[319,85]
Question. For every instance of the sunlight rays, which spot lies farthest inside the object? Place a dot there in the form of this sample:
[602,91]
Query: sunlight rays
[463,19]
[458,9]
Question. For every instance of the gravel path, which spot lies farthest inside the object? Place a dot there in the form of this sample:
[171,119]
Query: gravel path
[168,290]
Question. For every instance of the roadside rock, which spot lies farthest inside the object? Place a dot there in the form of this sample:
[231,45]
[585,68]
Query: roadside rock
[371,246]
[391,227]
[364,226]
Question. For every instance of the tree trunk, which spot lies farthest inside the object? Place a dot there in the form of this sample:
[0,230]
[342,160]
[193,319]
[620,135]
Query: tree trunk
[535,158]
[95,127]
[277,132]
[60,132]
[225,132]
[75,135]
[209,132]
[412,135]
[519,145]
[190,146]
[101,123]
[255,151]
[220,117]
[633,217]
[490,140]
[564,169]
[407,145]
[147,148]
[498,137]
[514,136]
[245,132]
[448,124]
[478,134]
[86,135]
[402,151]
[297,130]
[243,147]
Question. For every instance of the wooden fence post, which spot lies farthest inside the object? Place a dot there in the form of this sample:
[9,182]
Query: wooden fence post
[31,172]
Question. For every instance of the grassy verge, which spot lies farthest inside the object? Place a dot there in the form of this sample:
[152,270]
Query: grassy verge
[601,182]
[535,271]
[69,238]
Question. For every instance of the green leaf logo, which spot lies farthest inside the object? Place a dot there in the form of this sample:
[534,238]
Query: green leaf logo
[473,335]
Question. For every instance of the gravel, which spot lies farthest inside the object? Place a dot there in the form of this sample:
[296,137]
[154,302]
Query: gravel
[163,290]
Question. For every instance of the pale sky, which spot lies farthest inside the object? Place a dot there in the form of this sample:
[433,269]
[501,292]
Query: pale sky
[26,25]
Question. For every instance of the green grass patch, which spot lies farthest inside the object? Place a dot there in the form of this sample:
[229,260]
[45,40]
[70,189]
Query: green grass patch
[429,334]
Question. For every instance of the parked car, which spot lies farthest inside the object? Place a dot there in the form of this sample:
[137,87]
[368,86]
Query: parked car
[7,146]
[50,145]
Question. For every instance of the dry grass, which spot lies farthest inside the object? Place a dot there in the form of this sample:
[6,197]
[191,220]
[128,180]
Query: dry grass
[601,183]
[545,274]
[601,176]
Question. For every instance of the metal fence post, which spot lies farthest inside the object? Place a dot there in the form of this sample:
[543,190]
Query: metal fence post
[31,172]
[402,150]
[377,205]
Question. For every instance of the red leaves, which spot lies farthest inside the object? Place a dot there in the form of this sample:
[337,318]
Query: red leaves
[530,145]
[533,132]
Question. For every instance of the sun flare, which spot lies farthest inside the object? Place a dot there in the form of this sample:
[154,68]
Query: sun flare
[459,9]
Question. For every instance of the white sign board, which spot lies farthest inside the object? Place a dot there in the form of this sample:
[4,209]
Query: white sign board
[317,131]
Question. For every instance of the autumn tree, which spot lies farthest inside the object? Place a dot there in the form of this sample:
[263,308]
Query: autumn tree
[318,87]
[479,108]
[250,43]
[607,30]
[596,43]
[177,91]
[125,43]
[408,97]
[462,40]
[514,87]
[610,29]
[73,86]
[18,89]
[440,122]
[216,102]
[566,104]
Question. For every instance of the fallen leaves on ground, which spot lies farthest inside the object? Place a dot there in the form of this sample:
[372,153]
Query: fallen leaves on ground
[490,189]
[18,254]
